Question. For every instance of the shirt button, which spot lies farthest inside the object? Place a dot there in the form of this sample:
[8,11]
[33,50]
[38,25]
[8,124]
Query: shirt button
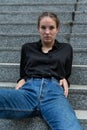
[49,74]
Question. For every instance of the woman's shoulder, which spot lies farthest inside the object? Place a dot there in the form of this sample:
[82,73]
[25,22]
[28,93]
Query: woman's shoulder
[64,45]
[68,45]
[29,44]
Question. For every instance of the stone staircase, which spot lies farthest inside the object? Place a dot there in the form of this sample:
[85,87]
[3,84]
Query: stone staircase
[18,19]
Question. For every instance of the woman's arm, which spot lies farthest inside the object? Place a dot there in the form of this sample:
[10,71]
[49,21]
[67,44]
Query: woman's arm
[22,64]
[64,84]
[68,67]
[21,81]
[68,64]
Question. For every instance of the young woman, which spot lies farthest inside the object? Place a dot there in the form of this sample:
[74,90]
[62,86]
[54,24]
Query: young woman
[43,85]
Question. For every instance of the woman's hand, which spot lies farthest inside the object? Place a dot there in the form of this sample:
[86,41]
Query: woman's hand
[63,82]
[20,84]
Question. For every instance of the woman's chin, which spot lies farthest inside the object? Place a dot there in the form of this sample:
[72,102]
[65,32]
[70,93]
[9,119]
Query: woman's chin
[47,41]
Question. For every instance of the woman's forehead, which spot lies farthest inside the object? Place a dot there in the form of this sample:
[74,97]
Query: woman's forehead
[47,20]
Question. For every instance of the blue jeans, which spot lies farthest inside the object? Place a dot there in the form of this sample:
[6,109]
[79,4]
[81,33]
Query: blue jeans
[44,95]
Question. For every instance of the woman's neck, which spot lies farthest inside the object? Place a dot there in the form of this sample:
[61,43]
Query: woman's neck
[46,50]
[47,47]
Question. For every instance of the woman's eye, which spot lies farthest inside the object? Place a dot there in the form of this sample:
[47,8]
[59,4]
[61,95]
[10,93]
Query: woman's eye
[51,27]
[43,27]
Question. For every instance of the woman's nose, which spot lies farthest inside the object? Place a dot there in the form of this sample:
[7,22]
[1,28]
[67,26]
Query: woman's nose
[47,31]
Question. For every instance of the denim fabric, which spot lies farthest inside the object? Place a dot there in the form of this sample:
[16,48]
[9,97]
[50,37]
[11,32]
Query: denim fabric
[44,95]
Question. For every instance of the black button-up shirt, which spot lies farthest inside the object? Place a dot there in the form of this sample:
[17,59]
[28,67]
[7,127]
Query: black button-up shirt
[56,63]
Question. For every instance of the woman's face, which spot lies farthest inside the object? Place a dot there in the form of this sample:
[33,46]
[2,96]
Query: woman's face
[48,30]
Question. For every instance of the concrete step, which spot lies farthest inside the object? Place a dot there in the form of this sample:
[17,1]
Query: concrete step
[79,75]
[77,97]
[35,1]
[82,114]
[18,40]
[37,123]
[39,2]
[80,56]
[30,7]
[82,6]
[81,16]
[12,55]
[78,40]
[14,17]
[82,1]
[8,85]
[79,28]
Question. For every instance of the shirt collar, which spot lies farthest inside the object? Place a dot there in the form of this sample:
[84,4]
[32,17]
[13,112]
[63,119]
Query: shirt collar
[55,46]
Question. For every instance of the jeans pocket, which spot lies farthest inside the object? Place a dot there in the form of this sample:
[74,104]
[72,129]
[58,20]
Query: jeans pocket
[27,84]
[57,86]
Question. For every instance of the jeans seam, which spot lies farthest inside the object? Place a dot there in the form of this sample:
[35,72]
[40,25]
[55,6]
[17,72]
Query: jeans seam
[46,121]
[40,89]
